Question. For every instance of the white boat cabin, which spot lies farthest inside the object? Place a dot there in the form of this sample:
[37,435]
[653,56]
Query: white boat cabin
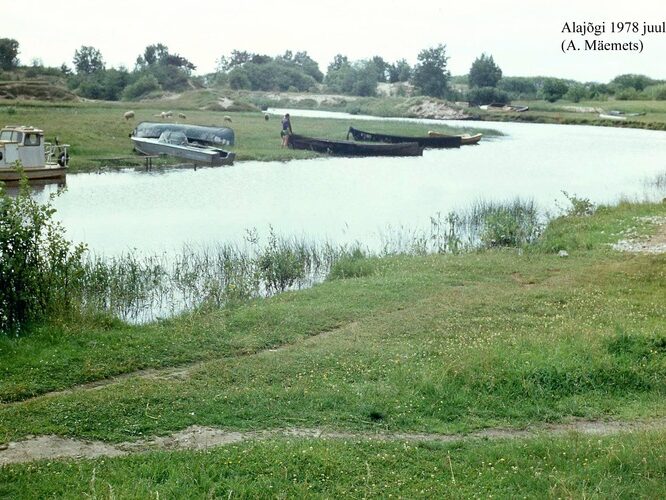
[27,145]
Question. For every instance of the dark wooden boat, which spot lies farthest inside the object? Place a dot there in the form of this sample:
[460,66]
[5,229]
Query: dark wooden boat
[425,142]
[351,148]
[465,139]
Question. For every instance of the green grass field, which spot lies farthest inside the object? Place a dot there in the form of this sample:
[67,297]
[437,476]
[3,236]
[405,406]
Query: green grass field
[435,344]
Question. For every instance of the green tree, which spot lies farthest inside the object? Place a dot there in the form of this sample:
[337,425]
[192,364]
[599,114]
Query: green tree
[431,76]
[577,92]
[308,65]
[9,49]
[88,60]
[553,89]
[400,71]
[484,72]
[637,82]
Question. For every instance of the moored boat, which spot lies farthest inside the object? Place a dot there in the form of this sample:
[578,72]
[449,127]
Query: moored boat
[424,142]
[208,136]
[176,144]
[465,139]
[351,148]
[607,116]
[38,159]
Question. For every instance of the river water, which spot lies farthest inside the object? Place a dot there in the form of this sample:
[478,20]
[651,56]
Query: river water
[345,200]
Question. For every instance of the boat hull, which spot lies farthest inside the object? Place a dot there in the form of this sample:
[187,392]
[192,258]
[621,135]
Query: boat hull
[452,141]
[10,174]
[213,157]
[465,140]
[209,136]
[350,148]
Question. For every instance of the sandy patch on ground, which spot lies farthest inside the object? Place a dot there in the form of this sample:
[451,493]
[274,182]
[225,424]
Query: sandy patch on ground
[654,244]
[325,99]
[582,109]
[437,111]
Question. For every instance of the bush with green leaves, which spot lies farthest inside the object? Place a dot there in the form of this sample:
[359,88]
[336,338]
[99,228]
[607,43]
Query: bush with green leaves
[579,206]
[487,95]
[143,86]
[280,264]
[39,267]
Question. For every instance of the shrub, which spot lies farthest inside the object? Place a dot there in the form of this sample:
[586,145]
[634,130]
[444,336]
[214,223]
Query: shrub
[487,95]
[280,265]
[579,206]
[38,266]
[657,92]
[143,86]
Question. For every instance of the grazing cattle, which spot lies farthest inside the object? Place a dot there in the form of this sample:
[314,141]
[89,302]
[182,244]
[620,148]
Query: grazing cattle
[182,115]
[128,115]
[226,118]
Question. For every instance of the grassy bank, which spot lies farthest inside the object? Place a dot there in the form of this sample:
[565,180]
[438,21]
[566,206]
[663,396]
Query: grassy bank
[432,344]
[423,342]
[585,113]
[99,131]
[629,466]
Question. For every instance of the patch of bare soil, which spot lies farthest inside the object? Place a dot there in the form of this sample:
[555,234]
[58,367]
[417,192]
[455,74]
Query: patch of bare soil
[201,438]
[437,111]
[654,244]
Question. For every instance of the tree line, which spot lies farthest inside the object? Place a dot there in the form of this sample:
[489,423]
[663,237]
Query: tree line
[157,70]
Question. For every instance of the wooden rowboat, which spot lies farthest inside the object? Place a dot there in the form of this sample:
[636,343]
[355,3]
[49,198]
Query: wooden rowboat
[452,141]
[351,148]
[465,139]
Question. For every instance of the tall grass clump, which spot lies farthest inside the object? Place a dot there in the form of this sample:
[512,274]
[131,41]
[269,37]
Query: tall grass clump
[353,264]
[485,224]
[38,265]
[504,224]
[142,288]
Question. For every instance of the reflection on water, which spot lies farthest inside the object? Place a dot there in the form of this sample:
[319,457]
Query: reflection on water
[37,186]
[344,200]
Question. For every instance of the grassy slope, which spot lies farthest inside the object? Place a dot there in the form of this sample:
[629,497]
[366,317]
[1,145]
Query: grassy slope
[436,344]
[426,344]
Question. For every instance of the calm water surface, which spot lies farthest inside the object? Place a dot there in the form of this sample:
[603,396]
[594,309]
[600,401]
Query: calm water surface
[344,200]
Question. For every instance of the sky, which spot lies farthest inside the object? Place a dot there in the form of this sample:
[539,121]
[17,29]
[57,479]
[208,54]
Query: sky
[524,37]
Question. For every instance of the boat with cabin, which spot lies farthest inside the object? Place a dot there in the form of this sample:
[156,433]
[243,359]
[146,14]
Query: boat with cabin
[177,144]
[24,152]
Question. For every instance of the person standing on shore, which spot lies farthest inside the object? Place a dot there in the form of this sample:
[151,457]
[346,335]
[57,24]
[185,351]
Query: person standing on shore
[286,130]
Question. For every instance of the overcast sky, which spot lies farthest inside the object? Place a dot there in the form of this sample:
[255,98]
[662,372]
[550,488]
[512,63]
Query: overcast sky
[523,36]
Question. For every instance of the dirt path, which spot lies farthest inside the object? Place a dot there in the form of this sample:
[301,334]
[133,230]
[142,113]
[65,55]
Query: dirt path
[202,438]
[182,371]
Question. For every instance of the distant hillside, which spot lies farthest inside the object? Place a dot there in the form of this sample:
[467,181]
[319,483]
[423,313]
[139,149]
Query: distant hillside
[42,90]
